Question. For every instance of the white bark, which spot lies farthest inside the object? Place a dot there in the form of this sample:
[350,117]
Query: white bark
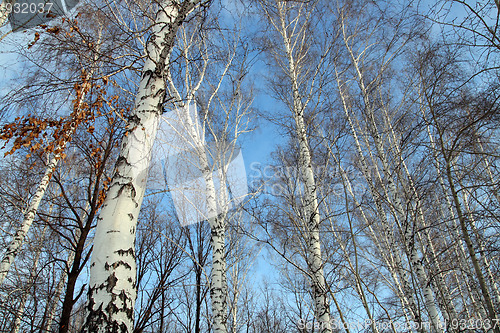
[466,237]
[29,283]
[18,239]
[462,219]
[451,314]
[218,280]
[454,230]
[392,195]
[482,250]
[409,241]
[386,232]
[216,201]
[213,172]
[387,256]
[112,290]
[314,258]
[311,208]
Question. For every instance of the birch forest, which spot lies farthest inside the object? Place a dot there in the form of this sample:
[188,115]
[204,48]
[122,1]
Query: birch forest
[250,166]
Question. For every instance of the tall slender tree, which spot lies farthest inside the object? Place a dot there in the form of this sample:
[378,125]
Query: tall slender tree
[112,289]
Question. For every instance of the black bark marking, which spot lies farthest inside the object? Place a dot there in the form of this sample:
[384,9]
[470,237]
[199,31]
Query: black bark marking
[134,119]
[117,264]
[121,160]
[111,283]
[129,186]
[123,252]
[102,318]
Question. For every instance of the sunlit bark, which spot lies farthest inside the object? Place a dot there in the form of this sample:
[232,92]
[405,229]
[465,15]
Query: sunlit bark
[112,290]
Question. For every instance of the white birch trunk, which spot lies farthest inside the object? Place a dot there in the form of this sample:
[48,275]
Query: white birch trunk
[448,164]
[218,283]
[218,280]
[409,241]
[386,228]
[454,230]
[392,197]
[20,308]
[482,250]
[465,234]
[18,239]
[19,314]
[112,289]
[290,38]
[311,208]
[451,314]
[389,261]
[216,203]
[387,256]
[314,258]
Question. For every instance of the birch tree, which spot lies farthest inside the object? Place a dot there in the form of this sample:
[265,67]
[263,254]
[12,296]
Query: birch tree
[211,75]
[291,23]
[452,144]
[112,290]
[18,239]
[32,130]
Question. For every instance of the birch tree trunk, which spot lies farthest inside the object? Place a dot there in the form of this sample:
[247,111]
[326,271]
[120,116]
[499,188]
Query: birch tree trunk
[387,233]
[463,221]
[212,162]
[293,43]
[112,289]
[314,258]
[447,303]
[392,196]
[30,282]
[454,230]
[482,250]
[18,239]
[470,247]
[218,280]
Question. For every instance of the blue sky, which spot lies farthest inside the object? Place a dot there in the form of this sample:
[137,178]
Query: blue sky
[256,146]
